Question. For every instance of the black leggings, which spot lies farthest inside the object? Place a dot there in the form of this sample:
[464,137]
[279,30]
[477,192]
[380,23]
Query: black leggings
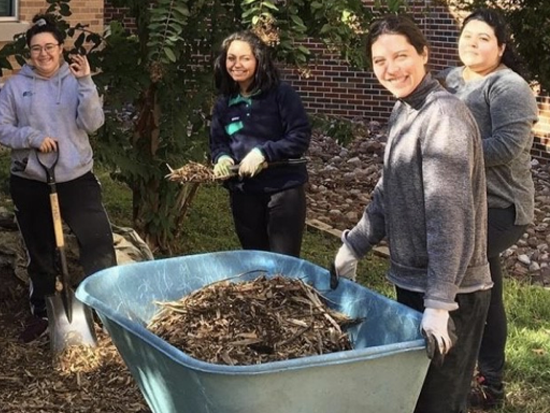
[81,209]
[501,235]
[270,222]
[446,387]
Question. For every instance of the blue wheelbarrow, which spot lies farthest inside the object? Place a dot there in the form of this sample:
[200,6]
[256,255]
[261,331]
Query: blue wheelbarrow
[383,373]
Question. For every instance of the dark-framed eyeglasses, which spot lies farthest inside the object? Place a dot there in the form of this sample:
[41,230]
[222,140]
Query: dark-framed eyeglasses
[48,48]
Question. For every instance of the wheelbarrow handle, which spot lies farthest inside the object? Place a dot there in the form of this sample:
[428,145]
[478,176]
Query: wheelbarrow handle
[284,162]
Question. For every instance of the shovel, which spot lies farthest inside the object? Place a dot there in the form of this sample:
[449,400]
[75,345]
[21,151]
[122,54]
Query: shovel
[285,162]
[70,321]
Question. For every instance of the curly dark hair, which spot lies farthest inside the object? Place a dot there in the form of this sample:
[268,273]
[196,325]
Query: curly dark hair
[266,75]
[496,20]
[44,23]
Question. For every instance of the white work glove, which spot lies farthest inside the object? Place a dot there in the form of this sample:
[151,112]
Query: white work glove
[252,163]
[221,169]
[439,331]
[345,263]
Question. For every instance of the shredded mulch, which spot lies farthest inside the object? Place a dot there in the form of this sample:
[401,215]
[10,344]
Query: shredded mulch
[246,323]
[191,172]
[82,379]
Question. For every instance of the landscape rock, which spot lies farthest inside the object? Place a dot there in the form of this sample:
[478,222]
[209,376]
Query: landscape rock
[342,180]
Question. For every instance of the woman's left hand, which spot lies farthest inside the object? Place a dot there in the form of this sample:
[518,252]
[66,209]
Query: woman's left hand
[79,66]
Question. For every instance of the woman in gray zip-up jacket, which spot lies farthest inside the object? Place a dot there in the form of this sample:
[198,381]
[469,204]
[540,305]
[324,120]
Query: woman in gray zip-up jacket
[431,206]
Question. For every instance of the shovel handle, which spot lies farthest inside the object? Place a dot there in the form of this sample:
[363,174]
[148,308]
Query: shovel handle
[333,277]
[284,162]
[57,223]
[54,200]
[58,231]
[49,168]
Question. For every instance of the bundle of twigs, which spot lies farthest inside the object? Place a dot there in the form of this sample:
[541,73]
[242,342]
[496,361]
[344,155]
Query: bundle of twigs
[191,172]
[263,320]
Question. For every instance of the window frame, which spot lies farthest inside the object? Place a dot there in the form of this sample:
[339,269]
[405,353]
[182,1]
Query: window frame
[15,16]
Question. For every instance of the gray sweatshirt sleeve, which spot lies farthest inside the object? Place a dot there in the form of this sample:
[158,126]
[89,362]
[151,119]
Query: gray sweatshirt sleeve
[12,136]
[449,205]
[513,111]
[371,229]
[90,115]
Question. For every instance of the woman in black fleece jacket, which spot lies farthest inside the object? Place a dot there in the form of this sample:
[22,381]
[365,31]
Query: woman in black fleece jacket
[431,205]
[259,119]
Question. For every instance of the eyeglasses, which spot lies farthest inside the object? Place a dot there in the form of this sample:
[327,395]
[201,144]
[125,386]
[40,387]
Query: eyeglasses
[48,48]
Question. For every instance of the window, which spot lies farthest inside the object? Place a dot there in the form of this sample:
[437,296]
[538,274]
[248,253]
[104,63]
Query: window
[9,20]
[8,10]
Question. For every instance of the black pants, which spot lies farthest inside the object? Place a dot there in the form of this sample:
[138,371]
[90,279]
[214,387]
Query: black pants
[81,209]
[446,388]
[270,222]
[501,235]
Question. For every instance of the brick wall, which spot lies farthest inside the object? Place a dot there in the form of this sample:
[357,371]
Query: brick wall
[334,88]
[84,11]
[117,14]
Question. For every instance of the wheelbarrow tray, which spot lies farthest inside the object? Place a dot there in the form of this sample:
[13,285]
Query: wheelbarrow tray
[382,374]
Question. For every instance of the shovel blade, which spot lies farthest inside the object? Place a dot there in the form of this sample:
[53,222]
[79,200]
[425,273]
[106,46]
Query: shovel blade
[64,332]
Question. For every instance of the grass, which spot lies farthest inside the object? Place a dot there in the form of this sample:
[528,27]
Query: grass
[209,227]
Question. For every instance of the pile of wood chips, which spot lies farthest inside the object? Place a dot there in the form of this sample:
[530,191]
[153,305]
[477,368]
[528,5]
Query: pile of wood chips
[80,380]
[191,172]
[259,321]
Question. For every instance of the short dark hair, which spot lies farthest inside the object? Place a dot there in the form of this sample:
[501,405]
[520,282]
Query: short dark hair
[396,24]
[266,75]
[45,23]
[496,20]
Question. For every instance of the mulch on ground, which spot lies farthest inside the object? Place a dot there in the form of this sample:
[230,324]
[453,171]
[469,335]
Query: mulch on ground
[80,380]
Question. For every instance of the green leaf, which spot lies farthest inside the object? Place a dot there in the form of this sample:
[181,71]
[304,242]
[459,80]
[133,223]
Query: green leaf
[296,19]
[170,54]
[304,50]
[79,40]
[326,28]
[20,60]
[183,10]
[65,10]
[316,5]
[270,5]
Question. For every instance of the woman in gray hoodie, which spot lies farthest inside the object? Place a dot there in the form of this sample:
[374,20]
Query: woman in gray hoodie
[431,206]
[47,111]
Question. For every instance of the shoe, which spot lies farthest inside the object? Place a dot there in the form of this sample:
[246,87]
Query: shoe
[486,396]
[35,328]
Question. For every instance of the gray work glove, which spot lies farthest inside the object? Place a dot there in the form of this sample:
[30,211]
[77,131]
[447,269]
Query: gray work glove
[439,331]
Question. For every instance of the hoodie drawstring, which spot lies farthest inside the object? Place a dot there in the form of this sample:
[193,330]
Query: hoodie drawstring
[58,100]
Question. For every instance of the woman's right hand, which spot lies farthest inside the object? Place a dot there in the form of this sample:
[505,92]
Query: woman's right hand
[48,145]
[222,168]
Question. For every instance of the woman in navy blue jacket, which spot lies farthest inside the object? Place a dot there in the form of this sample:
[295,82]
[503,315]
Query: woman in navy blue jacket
[257,120]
